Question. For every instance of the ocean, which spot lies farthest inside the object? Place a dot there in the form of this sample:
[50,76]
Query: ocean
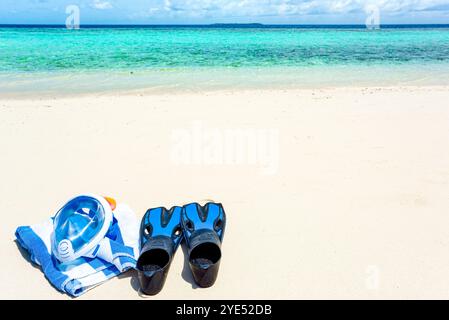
[49,59]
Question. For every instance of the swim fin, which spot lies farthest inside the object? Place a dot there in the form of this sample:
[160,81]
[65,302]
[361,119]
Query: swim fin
[160,235]
[203,228]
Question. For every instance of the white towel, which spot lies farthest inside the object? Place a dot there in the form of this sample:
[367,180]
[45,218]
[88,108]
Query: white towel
[116,253]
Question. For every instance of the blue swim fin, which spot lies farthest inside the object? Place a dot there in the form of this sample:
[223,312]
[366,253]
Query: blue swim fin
[160,235]
[203,228]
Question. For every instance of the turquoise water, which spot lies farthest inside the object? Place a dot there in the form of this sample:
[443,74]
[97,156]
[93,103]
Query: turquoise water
[173,57]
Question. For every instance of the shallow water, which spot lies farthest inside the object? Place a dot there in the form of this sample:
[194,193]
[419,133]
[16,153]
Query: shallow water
[166,58]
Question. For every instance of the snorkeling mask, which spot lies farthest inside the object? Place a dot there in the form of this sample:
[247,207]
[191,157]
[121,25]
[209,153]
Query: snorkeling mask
[80,225]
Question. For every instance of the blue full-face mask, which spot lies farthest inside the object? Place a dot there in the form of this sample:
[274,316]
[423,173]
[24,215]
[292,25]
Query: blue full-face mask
[79,226]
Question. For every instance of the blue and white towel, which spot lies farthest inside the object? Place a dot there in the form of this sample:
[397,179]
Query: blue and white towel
[117,253]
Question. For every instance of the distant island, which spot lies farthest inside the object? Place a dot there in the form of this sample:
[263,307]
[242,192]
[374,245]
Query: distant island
[237,24]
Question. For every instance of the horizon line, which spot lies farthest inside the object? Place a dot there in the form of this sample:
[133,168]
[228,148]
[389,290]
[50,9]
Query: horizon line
[220,24]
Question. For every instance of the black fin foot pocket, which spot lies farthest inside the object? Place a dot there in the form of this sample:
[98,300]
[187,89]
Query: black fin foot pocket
[205,257]
[153,264]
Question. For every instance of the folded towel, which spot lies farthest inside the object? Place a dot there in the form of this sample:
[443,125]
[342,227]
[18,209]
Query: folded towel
[116,253]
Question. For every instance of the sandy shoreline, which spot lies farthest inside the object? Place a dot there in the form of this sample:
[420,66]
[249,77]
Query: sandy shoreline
[337,193]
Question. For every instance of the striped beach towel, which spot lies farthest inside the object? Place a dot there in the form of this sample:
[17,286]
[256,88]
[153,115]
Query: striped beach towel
[116,253]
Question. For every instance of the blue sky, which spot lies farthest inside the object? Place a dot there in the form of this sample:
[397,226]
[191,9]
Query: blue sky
[223,11]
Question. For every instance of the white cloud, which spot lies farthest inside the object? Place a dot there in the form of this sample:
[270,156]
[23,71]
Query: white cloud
[251,8]
[101,5]
[279,10]
[209,11]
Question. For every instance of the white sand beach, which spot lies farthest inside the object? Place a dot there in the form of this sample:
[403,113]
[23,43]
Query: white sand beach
[340,193]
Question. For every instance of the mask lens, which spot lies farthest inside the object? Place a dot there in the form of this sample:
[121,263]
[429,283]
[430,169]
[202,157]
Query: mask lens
[76,225]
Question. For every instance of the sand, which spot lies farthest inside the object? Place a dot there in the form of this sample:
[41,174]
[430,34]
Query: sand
[340,193]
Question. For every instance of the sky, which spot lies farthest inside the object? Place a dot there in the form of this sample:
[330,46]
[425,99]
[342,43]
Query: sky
[224,11]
